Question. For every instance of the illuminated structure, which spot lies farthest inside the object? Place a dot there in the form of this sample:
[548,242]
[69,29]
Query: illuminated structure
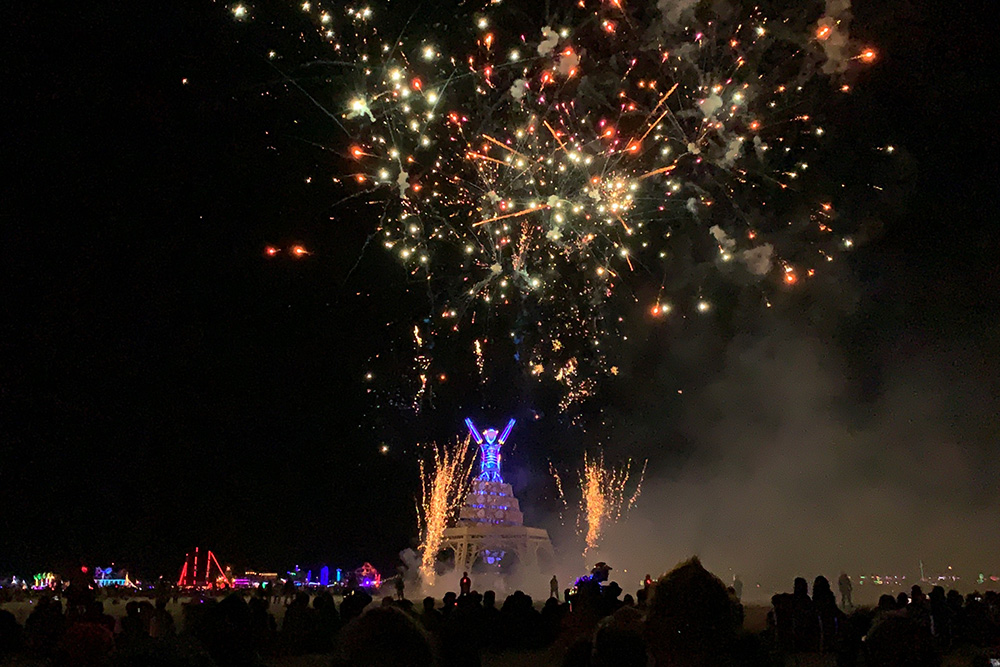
[368,577]
[202,570]
[106,576]
[490,531]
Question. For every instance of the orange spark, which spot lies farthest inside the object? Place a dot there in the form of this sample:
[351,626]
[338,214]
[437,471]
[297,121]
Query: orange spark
[554,135]
[480,156]
[513,215]
[661,170]
[504,146]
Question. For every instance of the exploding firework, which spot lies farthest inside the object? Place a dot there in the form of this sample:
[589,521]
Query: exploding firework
[542,180]
[444,484]
[603,498]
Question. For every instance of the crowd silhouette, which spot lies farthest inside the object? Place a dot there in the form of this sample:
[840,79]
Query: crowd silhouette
[686,618]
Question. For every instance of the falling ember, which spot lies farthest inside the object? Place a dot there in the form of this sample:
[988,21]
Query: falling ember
[271,251]
[823,32]
[477,346]
[299,251]
[443,485]
[422,363]
[603,500]
[868,55]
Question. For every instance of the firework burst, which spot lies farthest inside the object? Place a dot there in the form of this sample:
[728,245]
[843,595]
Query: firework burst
[444,483]
[548,180]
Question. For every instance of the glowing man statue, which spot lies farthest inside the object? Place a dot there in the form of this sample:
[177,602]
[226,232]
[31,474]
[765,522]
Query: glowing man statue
[489,447]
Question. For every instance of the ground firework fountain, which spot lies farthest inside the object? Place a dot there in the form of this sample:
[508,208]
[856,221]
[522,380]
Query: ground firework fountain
[443,484]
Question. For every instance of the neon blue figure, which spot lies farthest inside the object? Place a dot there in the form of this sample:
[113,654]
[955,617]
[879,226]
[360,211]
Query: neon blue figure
[489,448]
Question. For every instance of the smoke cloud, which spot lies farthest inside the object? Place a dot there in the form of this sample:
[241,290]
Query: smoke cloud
[792,473]
[834,27]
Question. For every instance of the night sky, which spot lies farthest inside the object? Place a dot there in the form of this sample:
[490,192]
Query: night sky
[164,385]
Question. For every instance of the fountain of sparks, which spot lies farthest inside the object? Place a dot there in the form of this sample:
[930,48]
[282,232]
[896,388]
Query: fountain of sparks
[443,486]
[603,500]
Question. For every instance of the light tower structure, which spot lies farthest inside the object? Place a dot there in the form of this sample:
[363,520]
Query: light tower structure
[490,531]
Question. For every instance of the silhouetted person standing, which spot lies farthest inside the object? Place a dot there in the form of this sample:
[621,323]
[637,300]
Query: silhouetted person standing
[738,587]
[400,587]
[554,587]
[845,585]
[465,585]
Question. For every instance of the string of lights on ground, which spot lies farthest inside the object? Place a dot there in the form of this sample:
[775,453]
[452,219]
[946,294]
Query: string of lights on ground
[546,180]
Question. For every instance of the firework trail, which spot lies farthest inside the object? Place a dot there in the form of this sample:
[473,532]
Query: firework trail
[603,499]
[546,180]
[444,484]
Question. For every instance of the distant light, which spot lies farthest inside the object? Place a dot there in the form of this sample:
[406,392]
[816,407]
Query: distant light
[703,306]
[384,449]
[239,11]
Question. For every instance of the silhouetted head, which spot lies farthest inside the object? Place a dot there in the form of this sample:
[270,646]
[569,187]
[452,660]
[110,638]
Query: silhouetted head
[489,599]
[618,641]
[428,604]
[383,637]
[902,600]
[886,602]
[800,587]
[691,616]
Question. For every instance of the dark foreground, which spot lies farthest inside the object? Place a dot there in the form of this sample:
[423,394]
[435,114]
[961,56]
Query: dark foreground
[687,618]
